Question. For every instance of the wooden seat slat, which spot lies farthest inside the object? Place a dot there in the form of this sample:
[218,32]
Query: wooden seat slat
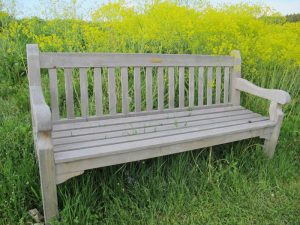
[165,115]
[158,131]
[91,152]
[146,123]
[140,128]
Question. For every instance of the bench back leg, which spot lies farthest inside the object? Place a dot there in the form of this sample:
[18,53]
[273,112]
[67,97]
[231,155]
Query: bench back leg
[276,114]
[47,177]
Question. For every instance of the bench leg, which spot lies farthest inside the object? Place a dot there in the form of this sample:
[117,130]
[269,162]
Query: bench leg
[48,180]
[276,114]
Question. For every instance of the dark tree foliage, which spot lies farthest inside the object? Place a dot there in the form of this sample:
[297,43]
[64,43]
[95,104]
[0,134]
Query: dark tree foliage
[295,17]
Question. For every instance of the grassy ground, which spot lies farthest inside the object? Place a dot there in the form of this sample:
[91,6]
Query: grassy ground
[230,184]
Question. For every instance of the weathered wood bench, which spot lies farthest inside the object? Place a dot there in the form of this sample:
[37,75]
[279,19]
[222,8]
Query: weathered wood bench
[66,147]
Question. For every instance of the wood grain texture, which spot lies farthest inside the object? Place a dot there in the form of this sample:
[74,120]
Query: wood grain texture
[92,152]
[156,115]
[69,93]
[276,115]
[98,91]
[191,86]
[226,84]
[41,114]
[200,86]
[171,87]
[149,85]
[71,60]
[160,88]
[139,129]
[33,61]
[47,175]
[112,90]
[137,89]
[54,94]
[84,100]
[278,96]
[236,73]
[124,82]
[152,152]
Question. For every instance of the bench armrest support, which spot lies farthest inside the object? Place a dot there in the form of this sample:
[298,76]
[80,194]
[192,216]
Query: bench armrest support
[41,114]
[274,95]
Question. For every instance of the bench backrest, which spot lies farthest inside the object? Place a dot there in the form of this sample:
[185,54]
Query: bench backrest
[155,82]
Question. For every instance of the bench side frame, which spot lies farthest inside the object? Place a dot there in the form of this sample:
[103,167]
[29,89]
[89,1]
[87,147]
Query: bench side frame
[42,129]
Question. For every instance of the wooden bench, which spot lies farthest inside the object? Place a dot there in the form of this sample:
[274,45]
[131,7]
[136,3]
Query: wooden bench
[198,105]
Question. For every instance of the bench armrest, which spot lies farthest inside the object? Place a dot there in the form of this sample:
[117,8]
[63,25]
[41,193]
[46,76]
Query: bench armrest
[274,95]
[41,114]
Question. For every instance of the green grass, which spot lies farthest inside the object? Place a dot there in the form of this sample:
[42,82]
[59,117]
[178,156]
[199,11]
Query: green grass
[232,184]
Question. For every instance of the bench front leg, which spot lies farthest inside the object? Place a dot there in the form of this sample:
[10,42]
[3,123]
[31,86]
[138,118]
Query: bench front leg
[276,114]
[47,175]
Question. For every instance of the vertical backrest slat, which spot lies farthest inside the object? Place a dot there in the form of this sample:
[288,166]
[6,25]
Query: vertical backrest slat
[181,87]
[124,83]
[200,86]
[137,89]
[112,90]
[54,94]
[191,86]
[209,85]
[160,88]
[226,84]
[236,73]
[98,91]
[171,87]
[149,99]
[84,92]
[69,93]
[218,85]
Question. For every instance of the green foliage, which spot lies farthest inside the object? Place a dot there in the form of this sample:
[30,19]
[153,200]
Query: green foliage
[295,17]
[233,184]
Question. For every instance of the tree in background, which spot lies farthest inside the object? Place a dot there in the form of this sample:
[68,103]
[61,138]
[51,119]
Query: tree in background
[295,17]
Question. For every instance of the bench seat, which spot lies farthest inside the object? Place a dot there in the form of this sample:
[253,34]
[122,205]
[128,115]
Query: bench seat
[111,137]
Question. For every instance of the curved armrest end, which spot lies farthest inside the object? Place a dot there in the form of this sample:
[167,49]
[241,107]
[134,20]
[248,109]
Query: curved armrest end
[274,95]
[42,116]
[286,98]
[40,110]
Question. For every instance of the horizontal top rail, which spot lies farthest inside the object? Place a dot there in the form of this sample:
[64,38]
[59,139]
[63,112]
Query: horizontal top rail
[70,60]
